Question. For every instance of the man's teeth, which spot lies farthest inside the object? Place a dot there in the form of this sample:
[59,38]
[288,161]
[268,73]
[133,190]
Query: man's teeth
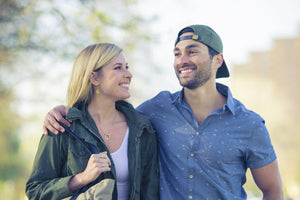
[186,71]
[125,85]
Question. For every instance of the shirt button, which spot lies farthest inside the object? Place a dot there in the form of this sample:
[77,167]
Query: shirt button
[190,197]
[191,176]
[192,154]
[197,133]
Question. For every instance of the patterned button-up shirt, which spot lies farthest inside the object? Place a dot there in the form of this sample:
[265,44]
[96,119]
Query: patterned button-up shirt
[206,161]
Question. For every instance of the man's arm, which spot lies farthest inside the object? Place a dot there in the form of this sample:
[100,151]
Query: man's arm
[53,117]
[268,179]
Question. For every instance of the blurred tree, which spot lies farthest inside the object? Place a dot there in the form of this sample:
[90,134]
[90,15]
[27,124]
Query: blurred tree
[31,30]
[9,144]
[63,27]
[11,162]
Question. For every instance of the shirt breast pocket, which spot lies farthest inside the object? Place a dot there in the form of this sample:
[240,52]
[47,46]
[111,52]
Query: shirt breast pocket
[78,158]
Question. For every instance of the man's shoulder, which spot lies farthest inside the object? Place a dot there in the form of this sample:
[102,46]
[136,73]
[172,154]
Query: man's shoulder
[162,100]
[243,112]
[162,97]
[239,109]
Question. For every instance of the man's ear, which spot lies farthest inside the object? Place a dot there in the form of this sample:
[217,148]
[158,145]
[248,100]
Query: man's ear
[218,61]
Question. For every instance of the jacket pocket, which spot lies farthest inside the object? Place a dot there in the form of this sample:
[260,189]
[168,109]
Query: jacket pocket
[78,158]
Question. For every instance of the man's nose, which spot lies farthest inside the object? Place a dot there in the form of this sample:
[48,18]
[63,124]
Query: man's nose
[182,59]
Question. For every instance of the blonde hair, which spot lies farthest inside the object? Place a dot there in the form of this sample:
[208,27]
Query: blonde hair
[90,59]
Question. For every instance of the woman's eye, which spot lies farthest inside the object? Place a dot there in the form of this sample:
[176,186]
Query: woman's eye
[117,68]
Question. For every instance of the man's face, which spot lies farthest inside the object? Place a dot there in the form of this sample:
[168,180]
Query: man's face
[192,63]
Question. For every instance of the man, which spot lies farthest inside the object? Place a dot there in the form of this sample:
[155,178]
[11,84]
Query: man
[207,139]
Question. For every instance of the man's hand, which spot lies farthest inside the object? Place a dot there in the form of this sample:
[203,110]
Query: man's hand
[53,117]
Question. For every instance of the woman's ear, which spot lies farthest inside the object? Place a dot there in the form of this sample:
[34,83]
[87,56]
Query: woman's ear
[94,78]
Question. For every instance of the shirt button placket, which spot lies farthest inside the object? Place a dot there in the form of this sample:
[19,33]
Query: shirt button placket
[190,180]
[190,186]
[191,176]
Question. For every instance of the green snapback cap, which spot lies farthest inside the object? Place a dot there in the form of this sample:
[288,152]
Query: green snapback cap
[209,37]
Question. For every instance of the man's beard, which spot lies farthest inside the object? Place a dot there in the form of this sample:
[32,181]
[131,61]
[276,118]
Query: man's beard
[202,75]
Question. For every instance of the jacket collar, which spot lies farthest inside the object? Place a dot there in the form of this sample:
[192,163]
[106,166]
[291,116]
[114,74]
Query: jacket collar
[134,119]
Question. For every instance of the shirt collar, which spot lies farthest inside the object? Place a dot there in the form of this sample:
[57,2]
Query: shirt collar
[178,97]
[222,89]
[225,91]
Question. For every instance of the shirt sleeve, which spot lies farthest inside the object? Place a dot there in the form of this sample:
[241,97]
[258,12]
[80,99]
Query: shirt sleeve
[260,150]
[46,181]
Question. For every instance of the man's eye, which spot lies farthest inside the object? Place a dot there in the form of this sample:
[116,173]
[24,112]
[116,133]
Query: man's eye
[176,54]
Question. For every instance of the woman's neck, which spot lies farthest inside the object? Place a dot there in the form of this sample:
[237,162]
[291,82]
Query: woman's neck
[103,111]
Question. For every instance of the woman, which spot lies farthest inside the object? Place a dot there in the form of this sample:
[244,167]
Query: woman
[105,123]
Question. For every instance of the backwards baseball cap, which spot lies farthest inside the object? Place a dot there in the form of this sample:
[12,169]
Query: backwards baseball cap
[209,37]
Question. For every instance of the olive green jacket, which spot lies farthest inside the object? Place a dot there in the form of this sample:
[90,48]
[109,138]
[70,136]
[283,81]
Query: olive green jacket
[59,157]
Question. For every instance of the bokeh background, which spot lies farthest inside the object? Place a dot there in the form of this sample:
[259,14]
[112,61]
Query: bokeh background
[39,40]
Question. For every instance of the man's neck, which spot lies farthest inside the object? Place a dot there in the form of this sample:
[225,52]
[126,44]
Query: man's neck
[204,100]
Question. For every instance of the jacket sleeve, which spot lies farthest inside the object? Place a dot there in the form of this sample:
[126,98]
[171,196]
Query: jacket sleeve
[150,179]
[46,181]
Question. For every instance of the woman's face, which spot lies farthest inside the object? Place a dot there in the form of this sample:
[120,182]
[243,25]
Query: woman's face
[115,79]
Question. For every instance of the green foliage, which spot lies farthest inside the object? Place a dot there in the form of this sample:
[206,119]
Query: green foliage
[9,142]
[17,21]
[63,28]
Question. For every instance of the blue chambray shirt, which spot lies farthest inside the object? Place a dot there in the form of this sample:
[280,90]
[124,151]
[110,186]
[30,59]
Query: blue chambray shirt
[206,161]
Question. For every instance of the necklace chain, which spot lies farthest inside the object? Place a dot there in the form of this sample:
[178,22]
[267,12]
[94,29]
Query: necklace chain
[107,134]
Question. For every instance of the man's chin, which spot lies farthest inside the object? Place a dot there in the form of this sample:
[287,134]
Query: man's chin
[188,86]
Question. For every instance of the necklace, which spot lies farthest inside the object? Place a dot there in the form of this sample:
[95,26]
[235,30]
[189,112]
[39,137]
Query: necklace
[107,134]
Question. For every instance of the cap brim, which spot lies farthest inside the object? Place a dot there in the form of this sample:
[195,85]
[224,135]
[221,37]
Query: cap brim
[223,71]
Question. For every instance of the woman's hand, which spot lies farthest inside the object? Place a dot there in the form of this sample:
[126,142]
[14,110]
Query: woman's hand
[97,164]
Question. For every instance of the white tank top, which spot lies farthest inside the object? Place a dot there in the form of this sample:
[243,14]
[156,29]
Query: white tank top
[120,160]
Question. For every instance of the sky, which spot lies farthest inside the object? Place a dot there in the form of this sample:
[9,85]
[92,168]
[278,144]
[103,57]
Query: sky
[244,26]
